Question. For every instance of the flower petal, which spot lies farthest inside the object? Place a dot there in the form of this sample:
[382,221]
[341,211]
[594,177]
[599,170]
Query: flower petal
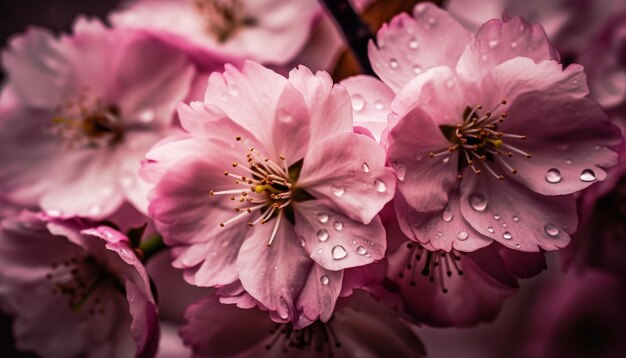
[320,293]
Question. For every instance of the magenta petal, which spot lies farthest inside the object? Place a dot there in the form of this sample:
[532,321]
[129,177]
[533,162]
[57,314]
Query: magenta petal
[409,46]
[274,275]
[321,289]
[348,170]
[370,103]
[423,181]
[336,242]
[498,41]
[570,150]
[515,216]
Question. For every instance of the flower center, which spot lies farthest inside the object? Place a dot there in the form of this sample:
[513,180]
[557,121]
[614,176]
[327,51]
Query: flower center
[81,281]
[319,337]
[481,142]
[223,17]
[88,122]
[437,265]
[263,190]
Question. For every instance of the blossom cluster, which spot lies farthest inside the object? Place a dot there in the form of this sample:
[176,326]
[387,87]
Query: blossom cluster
[197,178]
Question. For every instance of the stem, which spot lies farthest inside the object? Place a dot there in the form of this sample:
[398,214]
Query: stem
[152,246]
[355,31]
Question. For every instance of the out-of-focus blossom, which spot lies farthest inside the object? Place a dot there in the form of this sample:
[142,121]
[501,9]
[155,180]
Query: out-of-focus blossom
[267,31]
[576,316]
[361,329]
[488,135]
[271,187]
[457,289]
[75,290]
[88,107]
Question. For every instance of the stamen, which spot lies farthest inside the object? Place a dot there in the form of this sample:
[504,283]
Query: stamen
[517,150]
[275,230]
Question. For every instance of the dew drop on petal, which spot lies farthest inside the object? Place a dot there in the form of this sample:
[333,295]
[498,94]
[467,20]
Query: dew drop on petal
[551,230]
[413,44]
[322,217]
[496,216]
[477,202]
[393,63]
[568,161]
[146,116]
[588,175]
[338,225]
[380,186]
[322,235]
[507,235]
[379,105]
[338,252]
[553,176]
[358,103]
[324,280]
[490,229]
[462,236]
[302,242]
[447,216]
[400,171]
[361,250]
[515,218]
[493,43]
[417,69]
[284,116]
[365,167]
[337,190]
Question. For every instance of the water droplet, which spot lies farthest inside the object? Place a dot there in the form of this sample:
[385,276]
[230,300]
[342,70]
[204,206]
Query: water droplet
[393,63]
[361,250]
[490,229]
[518,245]
[319,251]
[324,280]
[568,161]
[413,44]
[446,159]
[417,69]
[462,236]
[380,186]
[493,43]
[284,116]
[322,217]
[515,218]
[447,215]
[358,103]
[146,116]
[322,235]
[507,235]
[338,252]
[587,175]
[365,167]
[513,44]
[302,242]
[553,176]
[478,202]
[496,216]
[551,230]
[504,224]
[379,105]
[337,190]
[338,225]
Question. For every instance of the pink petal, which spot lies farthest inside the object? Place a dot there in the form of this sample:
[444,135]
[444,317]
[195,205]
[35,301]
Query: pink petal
[349,171]
[515,216]
[423,181]
[335,241]
[320,293]
[499,41]
[409,46]
[274,275]
[370,103]
[570,149]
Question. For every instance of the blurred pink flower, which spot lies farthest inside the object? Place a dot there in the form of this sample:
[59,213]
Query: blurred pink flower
[271,187]
[75,290]
[488,134]
[89,105]
[361,329]
[267,31]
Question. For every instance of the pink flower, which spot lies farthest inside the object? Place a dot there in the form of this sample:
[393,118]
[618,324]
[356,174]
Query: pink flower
[488,135]
[268,31]
[362,329]
[88,107]
[271,187]
[75,290]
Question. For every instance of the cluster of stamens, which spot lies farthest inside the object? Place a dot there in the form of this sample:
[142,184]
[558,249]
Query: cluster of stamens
[436,265]
[87,122]
[262,190]
[223,17]
[319,337]
[481,143]
[79,280]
